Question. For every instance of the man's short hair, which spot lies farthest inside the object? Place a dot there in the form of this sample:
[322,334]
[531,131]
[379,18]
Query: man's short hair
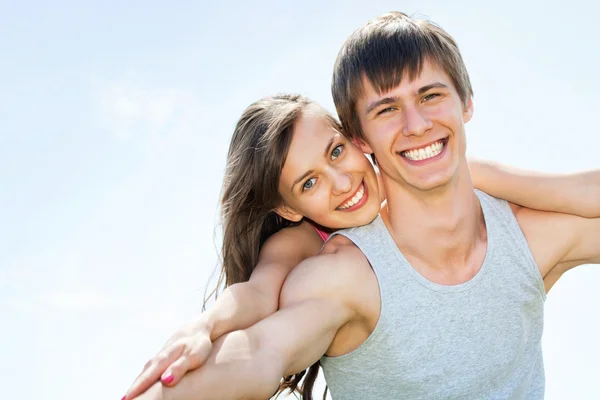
[386,49]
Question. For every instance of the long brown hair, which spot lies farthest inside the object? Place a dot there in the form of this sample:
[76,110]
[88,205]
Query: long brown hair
[250,194]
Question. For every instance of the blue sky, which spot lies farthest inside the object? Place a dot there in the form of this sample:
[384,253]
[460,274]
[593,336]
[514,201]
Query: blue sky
[115,120]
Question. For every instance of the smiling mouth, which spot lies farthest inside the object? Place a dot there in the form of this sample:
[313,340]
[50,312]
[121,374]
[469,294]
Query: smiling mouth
[425,152]
[356,200]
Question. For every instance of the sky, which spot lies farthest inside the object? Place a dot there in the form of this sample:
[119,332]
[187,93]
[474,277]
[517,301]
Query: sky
[115,119]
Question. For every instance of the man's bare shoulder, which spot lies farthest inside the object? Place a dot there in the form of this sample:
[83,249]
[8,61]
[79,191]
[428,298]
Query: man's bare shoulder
[339,256]
[558,239]
[339,271]
[515,208]
[339,244]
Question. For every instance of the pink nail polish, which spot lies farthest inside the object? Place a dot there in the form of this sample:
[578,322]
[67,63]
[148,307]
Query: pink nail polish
[168,378]
[124,397]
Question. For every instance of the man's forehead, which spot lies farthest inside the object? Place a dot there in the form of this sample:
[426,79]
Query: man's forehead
[428,74]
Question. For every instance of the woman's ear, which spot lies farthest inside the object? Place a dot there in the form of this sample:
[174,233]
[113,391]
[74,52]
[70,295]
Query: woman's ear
[288,213]
[362,145]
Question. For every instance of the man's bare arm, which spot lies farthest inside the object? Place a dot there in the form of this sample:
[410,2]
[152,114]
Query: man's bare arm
[240,306]
[560,242]
[577,193]
[249,364]
[317,299]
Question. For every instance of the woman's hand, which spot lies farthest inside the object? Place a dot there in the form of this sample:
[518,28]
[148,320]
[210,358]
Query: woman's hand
[186,350]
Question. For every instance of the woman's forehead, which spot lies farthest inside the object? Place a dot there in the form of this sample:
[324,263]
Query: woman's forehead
[314,126]
[312,137]
[312,134]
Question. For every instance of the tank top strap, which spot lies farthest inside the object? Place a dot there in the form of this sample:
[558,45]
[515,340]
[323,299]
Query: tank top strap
[322,234]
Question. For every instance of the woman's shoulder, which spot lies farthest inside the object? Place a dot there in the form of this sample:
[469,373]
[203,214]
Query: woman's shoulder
[304,229]
[302,240]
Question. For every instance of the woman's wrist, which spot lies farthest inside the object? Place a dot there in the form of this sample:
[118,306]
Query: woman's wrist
[206,323]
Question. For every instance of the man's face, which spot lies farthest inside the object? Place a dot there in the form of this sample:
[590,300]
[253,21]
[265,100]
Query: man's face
[416,130]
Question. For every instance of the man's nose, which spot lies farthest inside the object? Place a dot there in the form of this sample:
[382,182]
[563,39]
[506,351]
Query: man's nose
[416,124]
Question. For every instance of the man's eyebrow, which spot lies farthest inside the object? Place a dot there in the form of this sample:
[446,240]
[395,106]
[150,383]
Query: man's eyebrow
[435,85]
[393,99]
[304,176]
[377,103]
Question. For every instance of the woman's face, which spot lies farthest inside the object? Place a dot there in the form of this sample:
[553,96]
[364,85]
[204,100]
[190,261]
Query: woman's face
[326,178]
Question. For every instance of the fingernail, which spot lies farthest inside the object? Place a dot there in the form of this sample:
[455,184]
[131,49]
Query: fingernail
[168,378]
[124,397]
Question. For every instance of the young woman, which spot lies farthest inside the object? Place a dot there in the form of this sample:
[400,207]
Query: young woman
[291,179]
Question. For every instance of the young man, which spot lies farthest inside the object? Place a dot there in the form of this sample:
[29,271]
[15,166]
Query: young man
[440,297]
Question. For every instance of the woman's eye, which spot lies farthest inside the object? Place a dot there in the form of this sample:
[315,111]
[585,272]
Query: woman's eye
[337,151]
[309,184]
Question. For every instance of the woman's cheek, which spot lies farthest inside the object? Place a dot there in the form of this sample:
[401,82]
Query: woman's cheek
[320,210]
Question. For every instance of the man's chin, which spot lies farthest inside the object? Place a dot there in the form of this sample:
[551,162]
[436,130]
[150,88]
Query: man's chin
[430,182]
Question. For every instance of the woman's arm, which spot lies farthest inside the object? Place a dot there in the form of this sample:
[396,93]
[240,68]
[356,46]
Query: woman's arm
[577,194]
[239,306]
[319,297]
[244,304]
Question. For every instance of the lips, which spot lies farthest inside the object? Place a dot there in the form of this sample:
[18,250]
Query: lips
[358,198]
[425,152]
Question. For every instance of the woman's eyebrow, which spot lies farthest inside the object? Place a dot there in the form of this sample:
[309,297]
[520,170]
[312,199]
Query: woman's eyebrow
[325,154]
[329,144]
[300,179]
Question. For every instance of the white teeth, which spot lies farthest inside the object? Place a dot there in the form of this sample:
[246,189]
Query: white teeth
[357,197]
[425,152]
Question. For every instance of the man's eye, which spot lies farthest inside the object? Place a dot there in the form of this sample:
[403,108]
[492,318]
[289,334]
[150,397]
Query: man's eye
[386,110]
[309,184]
[431,96]
[337,151]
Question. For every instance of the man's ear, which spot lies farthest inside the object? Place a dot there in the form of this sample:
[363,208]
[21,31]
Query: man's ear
[362,145]
[468,110]
[288,213]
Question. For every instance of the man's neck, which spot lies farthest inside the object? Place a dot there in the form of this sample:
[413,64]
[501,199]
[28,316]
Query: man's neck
[442,230]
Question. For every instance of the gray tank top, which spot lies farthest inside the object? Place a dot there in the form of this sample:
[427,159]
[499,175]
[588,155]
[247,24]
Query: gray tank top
[477,340]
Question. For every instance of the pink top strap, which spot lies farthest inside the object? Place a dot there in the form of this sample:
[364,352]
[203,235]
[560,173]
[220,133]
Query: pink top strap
[322,234]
